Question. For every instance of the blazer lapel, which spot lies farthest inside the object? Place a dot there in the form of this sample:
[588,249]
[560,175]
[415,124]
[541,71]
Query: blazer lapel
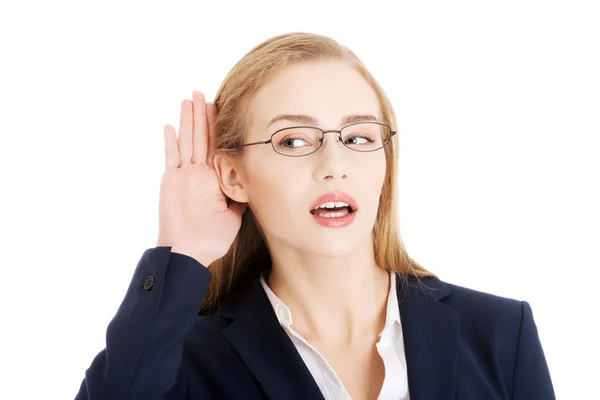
[265,347]
[431,338]
[430,331]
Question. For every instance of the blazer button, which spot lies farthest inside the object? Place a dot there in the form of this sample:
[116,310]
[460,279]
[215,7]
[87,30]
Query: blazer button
[149,282]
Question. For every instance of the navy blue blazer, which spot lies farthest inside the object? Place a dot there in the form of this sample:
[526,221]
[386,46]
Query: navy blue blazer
[460,343]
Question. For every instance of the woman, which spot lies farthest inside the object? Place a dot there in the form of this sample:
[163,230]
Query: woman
[279,270]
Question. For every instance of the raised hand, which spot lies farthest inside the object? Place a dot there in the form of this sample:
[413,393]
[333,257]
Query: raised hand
[194,217]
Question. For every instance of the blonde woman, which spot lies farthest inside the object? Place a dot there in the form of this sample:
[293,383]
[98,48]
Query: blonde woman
[279,271]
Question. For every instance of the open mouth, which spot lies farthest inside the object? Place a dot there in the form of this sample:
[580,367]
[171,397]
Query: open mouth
[335,212]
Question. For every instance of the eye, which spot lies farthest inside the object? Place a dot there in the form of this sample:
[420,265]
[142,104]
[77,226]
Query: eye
[363,138]
[290,141]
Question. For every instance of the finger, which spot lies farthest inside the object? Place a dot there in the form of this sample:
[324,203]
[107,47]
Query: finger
[171,150]
[211,112]
[185,133]
[200,128]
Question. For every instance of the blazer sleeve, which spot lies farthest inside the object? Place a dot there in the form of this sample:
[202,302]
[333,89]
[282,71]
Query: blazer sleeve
[531,374]
[144,340]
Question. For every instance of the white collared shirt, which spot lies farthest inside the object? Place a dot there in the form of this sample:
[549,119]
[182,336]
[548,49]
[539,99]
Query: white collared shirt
[390,347]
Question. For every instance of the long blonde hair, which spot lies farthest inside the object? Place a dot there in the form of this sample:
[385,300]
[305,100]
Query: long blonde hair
[232,100]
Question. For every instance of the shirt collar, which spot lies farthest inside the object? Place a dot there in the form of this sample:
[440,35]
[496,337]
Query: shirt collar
[392,313]
[284,315]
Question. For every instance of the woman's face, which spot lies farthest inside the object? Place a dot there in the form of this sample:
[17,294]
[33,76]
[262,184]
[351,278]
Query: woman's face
[280,190]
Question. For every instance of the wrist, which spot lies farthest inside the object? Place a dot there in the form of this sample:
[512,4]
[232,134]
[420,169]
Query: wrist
[202,259]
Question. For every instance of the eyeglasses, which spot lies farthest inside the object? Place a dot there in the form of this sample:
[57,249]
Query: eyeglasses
[299,141]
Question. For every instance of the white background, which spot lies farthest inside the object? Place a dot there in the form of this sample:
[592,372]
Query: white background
[498,108]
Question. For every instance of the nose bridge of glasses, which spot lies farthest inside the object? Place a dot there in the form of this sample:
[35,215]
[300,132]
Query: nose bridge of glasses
[337,132]
[337,137]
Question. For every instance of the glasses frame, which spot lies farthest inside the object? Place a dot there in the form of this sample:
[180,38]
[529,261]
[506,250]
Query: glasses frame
[322,140]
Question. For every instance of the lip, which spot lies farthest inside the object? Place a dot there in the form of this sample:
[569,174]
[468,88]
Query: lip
[336,197]
[338,222]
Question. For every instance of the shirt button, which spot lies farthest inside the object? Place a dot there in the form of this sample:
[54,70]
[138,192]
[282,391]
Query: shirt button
[149,282]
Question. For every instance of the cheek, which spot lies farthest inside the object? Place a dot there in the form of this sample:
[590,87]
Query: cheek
[381,173]
[275,193]
[373,175]
[373,185]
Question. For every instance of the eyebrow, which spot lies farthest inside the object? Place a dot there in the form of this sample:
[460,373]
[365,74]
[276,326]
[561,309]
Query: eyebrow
[309,120]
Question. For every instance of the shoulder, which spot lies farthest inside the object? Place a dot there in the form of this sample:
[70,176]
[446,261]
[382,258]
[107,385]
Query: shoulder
[461,298]
[480,312]
[495,331]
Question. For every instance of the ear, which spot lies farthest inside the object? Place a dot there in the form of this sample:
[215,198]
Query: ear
[230,174]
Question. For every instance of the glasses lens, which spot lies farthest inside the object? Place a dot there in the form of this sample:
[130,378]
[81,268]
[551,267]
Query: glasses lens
[296,142]
[300,141]
[366,136]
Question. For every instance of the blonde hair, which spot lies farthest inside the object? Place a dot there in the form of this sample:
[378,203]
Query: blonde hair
[232,101]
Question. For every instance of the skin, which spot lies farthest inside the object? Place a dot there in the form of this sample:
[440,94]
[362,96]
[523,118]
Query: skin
[326,276]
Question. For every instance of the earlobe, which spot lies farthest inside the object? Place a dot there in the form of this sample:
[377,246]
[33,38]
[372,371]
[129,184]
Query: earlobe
[227,174]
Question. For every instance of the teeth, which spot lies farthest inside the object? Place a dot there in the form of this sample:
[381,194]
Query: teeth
[332,204]
[334,214]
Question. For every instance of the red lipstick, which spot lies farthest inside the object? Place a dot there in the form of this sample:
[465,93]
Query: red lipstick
[337,217]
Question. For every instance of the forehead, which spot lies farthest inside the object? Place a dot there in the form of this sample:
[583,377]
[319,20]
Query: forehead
[326,90]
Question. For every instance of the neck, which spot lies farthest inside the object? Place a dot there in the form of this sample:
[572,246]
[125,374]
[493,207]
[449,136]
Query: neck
[337,300]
